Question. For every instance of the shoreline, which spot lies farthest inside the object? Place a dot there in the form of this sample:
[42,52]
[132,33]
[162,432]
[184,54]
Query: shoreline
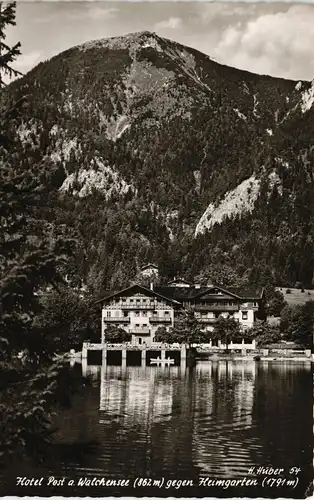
[255,357]
[260,358]
[216,357]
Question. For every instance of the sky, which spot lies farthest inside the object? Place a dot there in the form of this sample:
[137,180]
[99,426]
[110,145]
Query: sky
[263,37]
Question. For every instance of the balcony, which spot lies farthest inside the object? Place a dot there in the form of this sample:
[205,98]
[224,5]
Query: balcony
[136,306]
[140,331]
[160,319]
[117,319]
[217,307]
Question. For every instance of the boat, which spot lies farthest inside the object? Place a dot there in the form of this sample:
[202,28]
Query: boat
[162,361]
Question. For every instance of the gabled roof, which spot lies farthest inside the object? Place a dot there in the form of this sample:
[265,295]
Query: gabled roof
[177,295]
[192,293]
[140,288]
[149,265]
[180,293]
[180,280]
[248,293]
[223,290]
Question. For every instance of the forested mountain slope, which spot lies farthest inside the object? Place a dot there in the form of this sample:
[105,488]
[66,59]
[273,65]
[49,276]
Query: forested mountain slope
[154,152]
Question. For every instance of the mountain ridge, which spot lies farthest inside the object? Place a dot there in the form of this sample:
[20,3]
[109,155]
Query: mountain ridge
[151,133]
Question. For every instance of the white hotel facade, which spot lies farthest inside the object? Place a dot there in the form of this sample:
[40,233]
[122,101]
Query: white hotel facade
[141,311]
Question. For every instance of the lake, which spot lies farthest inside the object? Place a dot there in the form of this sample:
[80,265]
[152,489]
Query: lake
[215,427]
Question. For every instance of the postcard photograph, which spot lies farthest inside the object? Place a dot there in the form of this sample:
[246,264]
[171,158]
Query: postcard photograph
[156,249]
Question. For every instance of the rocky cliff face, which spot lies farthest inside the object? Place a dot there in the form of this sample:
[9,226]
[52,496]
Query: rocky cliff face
[155,152]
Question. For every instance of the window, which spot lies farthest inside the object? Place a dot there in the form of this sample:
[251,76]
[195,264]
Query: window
[244,315]
[131,301]
[155,312]
[125,314]
[108,314]
[138,301]
[144,313]
[137,313]
[137,325]
[144,301]
[123,301]
[167,313]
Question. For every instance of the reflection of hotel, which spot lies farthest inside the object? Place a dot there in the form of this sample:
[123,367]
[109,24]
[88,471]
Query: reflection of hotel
[137,395]
[222,398]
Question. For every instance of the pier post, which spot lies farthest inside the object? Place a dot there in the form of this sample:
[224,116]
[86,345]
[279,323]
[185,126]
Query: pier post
[124,357]
[183,357]
[84,366]
[143,357]
[104,355]
[183,351]
[163,353]
[84,350]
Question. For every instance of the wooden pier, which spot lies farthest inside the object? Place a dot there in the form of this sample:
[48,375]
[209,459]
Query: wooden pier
[167,354]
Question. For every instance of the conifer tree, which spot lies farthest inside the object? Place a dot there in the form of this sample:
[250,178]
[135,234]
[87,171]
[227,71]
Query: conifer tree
[7,54]
[31,381]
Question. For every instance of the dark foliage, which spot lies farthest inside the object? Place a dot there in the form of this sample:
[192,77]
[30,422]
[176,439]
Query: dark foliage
[297,324]
[32,380]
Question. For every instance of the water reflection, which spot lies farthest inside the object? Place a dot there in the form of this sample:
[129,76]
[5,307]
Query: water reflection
[138,394]
[218,419]
[215,420]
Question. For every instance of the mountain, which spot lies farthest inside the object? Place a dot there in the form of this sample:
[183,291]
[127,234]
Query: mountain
[153,151]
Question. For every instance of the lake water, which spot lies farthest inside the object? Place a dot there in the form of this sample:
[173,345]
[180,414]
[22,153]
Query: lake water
[220,420]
